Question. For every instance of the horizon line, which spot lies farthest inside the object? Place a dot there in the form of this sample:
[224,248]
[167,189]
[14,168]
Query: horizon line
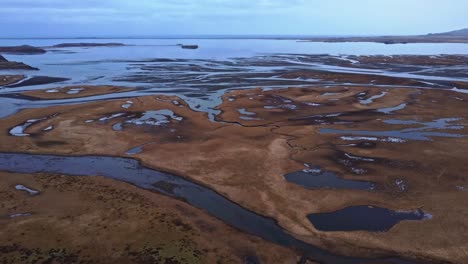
[205,36]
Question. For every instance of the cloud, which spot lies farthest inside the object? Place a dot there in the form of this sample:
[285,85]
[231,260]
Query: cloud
[91,17]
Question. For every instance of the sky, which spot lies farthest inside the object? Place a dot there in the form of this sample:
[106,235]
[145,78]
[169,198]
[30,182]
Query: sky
[126,18]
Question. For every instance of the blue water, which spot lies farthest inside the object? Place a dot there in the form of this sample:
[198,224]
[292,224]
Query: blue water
[199,76]
[231,48]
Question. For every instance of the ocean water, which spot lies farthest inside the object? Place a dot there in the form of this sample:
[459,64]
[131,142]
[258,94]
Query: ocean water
[226,48]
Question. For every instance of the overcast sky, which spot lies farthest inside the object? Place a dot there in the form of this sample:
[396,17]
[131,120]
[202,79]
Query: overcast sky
[76,18]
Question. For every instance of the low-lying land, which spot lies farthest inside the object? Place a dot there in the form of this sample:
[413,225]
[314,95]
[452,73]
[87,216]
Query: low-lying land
[10,79]
[98,220]
[393,39]
[400,139]
[13,65]
[86,45]
[24,49]
[458,36]
[31,50]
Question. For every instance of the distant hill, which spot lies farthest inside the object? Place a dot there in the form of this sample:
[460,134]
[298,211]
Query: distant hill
[13,65]
[455,33]
[24,49]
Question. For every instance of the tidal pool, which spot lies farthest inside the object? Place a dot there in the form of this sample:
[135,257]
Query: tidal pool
[21,187]
[364,218]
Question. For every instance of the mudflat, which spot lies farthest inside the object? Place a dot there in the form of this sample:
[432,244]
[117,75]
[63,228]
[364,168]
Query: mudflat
[75,91]
[10,79]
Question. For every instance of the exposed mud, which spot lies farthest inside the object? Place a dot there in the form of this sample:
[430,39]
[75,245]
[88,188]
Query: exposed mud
[75,91]
[389,40]
[37,80]
[10,79]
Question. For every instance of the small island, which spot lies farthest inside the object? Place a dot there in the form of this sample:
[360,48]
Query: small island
[23,49]
[87,45]
[32,50]
[13,65]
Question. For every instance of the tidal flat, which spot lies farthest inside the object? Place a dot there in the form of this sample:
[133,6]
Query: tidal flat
[278,158]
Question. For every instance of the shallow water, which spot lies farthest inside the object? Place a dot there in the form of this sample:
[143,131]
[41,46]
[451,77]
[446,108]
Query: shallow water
[154,118]
[389,110]
[19,130]
[367,139]
[371,99]
[127,104]
[19,215]
[21,187]
[135,150]
[75,90]
[243,111]
[49,128]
